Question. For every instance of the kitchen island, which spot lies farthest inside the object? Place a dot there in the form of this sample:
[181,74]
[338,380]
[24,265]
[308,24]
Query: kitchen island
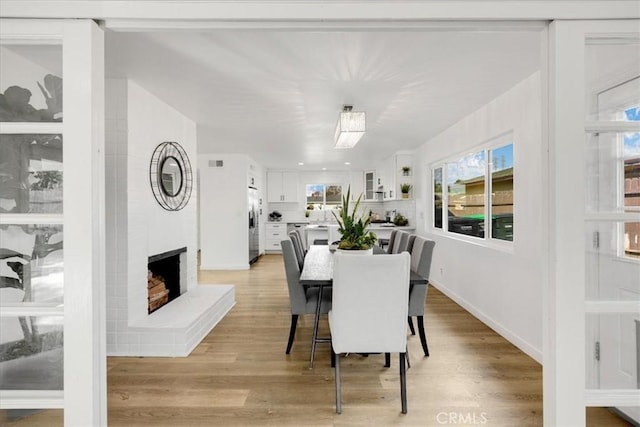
[328,232]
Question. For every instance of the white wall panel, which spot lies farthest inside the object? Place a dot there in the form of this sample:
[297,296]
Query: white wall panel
[502,287]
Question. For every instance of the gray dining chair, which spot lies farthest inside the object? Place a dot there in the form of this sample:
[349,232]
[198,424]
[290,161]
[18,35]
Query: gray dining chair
[297,248]
[421,255]
[303,239]
[392,239]
[412,238]
[370,291]
[302,300]
[401,241]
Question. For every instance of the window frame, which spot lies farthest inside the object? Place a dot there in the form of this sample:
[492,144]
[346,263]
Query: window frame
[621,252]
[85,388]
[612,110]
[488,147]
[324,205]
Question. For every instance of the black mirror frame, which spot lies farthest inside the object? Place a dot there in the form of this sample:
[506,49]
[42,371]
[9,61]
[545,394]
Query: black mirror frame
[164,151]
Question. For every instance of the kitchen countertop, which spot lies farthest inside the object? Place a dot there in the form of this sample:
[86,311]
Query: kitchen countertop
[288,222]
[377,226]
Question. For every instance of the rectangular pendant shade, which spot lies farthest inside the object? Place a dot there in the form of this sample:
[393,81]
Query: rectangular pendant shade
[350,128]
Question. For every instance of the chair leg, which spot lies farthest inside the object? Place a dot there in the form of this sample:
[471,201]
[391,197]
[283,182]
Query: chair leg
[292,332]
[403,383]
[423,337]
[338,397]
[408,358]
[387,360]
[333,357]
[410,321]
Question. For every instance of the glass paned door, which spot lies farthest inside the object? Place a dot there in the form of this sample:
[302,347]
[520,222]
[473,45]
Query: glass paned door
[31,229]
[592,297]
[52,222]
[612,206]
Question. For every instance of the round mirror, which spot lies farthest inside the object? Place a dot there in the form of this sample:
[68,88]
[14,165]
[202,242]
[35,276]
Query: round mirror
[171,176]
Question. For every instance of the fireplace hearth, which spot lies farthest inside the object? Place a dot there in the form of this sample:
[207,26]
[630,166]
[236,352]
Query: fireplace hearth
[164,282]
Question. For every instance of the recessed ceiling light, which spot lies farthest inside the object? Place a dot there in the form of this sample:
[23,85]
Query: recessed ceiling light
[300,164]
[347,163]
[324,169]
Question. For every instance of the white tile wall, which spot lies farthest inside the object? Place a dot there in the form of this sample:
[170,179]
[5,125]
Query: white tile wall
[137,227]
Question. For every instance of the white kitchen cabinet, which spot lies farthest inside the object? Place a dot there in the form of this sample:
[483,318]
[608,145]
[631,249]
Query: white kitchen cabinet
[275,232]
[282,187]
[357,185]
[390,176]
[370,185]
[387,175]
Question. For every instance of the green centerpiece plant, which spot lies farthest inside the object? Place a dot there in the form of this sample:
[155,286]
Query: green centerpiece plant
[353,226]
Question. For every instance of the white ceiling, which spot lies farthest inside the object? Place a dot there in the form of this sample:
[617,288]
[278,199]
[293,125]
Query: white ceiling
[276,95]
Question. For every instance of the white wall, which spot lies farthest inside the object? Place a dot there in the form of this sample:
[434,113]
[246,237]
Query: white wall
[224,206]
[152,229]
[137,226]
[502,287]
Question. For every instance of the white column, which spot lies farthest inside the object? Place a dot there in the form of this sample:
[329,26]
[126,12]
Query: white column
[84,225]
[564,340]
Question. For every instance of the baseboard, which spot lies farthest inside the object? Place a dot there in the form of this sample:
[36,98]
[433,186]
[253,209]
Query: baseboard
[531,351]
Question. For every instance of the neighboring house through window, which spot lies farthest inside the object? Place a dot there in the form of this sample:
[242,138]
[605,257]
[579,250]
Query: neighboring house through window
[323,196]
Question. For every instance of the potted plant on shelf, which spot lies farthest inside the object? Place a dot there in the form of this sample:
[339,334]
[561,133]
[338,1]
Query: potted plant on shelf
[406,170]
[353,226]
[404,189]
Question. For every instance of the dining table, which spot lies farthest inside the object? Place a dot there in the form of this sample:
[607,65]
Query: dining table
[317,271]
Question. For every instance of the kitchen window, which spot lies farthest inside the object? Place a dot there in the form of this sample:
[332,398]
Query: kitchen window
[323,196]
[479,185]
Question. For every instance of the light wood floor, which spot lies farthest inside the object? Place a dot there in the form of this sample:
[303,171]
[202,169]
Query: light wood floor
[240,375]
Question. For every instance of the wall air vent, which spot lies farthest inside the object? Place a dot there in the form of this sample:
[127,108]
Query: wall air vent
[216,163]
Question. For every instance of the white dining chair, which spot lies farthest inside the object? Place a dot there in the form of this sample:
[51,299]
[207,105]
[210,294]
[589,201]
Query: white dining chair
[369,310]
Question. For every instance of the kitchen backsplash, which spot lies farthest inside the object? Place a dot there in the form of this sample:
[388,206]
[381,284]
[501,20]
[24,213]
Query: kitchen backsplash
[292,212]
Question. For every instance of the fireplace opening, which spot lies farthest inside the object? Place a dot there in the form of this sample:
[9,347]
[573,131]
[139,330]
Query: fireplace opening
[163,278]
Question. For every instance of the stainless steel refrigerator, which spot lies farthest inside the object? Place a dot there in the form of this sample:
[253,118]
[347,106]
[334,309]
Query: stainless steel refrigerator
[254,225]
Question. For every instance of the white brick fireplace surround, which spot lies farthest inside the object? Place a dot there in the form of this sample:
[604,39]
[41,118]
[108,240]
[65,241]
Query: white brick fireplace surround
[138,227]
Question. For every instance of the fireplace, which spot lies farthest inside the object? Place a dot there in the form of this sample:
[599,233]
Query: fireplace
[164,278]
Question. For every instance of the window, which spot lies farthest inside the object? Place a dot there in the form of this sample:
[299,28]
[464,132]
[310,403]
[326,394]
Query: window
[322,196]
[502,192]
[32,265]
[437,197]
[466,185]
[479,185]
